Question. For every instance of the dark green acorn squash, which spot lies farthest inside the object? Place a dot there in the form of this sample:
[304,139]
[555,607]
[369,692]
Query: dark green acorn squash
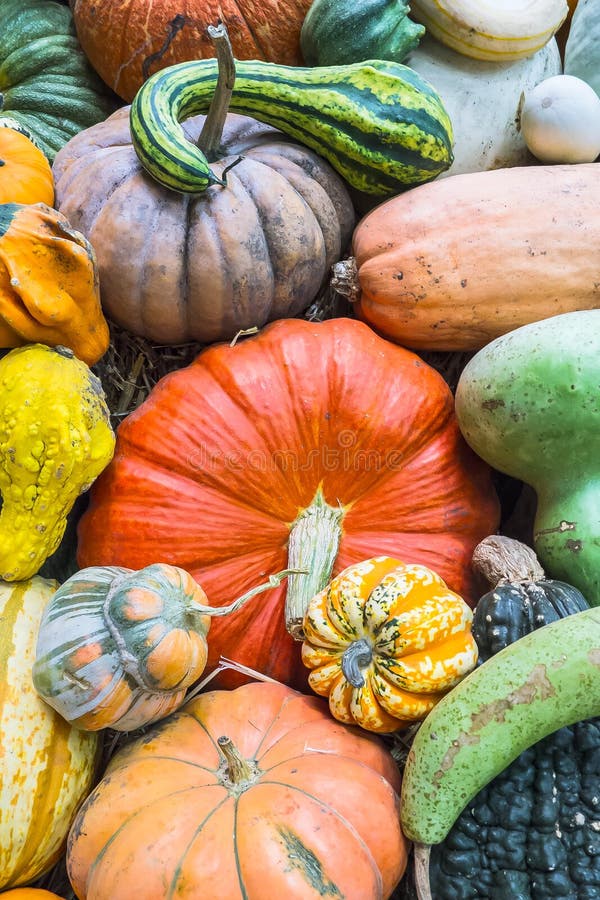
[340,32]
[46,82]
[522,598]
[534,832]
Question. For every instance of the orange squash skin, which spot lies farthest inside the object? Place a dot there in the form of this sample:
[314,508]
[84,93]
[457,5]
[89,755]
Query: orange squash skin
[49,291]
[317,794]
[456,263]
[29,893]
[212,470]
[119,36]
[25,173]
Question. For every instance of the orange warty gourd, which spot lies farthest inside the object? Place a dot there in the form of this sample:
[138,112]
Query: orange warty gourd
[453,264]
[49,290]
[311,446]
[256,793]
[25,173]
[126,43]
[385,641]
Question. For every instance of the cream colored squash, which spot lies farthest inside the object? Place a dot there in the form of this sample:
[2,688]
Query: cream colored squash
[560,120]
[482,99]
[492,29]
[47,766]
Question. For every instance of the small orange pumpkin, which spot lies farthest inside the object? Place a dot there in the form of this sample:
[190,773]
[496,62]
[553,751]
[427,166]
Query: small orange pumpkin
[25,173]
[385,641]
[49,291]
[254,793]
[30,893]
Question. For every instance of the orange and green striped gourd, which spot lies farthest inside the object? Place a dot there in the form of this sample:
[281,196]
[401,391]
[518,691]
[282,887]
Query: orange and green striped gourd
[119,648]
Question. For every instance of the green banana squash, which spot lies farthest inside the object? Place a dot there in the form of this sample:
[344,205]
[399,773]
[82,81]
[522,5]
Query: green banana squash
[46,82]
[540,683]
[378,123]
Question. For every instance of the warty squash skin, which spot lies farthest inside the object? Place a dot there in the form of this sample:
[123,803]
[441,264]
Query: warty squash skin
[454,264]
[49,290]
[177,268]
[230,460]
[55,438]
[127,40]
[47,766]
[246,795]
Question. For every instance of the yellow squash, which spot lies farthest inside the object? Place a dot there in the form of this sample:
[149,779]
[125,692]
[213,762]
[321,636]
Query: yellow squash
[385,641]
[55,439]
[47,766]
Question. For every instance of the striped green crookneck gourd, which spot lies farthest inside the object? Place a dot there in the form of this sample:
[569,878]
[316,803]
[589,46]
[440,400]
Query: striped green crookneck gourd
[378,123]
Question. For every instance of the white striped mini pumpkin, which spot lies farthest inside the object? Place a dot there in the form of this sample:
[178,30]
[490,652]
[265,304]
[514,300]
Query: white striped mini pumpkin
[47,766]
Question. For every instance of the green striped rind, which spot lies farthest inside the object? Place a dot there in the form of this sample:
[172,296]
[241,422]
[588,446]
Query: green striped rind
[379,124]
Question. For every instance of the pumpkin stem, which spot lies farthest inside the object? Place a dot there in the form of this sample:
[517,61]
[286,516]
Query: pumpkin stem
[502,560]
[354,659]
[273,582]
[312,547]
[345,281]
[209,141]
[238,769]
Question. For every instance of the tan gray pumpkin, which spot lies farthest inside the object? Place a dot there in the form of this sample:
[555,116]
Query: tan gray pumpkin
[175,268]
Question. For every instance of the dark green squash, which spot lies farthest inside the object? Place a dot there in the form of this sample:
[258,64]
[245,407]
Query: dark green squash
[339,32]
[522,598]
[533,833]
[46,82]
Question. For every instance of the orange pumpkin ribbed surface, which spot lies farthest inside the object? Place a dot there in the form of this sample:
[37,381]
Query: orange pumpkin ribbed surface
[256,793]
[127,40]
[311,446]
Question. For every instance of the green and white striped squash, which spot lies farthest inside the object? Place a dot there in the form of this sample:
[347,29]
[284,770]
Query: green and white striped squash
[47,767]
[378,123]
[46,82]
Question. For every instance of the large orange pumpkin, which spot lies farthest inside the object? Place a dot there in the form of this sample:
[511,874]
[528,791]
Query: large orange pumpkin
[253,794]
[317,443]
[127,40]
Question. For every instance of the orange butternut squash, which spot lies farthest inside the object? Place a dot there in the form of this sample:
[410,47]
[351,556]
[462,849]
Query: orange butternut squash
[453,264]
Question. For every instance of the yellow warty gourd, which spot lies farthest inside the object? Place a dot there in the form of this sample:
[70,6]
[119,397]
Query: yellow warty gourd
[496,30]
[55,439]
